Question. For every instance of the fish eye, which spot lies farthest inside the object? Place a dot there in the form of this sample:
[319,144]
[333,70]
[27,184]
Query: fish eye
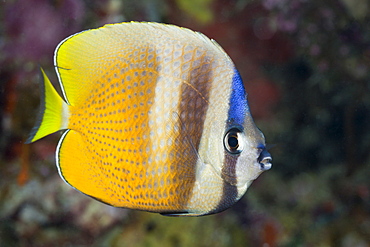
[232,141]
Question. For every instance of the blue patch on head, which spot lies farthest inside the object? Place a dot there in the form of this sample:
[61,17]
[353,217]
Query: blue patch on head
[238,100]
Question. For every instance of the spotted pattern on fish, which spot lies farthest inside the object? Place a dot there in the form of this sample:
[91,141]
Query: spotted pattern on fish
[147,111]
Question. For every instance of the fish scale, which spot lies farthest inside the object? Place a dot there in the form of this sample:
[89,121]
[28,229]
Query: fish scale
[132,107]
[133,118]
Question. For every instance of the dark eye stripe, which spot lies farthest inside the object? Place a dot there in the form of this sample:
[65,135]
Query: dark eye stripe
[229,190]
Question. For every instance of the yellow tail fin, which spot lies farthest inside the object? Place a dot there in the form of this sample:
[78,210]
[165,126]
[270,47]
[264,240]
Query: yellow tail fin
[53,114]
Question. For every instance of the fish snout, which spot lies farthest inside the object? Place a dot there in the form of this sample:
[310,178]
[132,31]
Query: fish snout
[265,160]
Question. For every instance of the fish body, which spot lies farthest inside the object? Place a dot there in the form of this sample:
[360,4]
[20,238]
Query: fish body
[154,117]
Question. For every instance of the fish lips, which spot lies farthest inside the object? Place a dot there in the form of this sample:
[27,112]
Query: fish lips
[264,159]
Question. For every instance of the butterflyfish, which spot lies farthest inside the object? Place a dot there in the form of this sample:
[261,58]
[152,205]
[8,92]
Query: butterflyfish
[154,117]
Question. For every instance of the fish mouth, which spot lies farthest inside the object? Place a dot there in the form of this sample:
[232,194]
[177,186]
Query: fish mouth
[264,160]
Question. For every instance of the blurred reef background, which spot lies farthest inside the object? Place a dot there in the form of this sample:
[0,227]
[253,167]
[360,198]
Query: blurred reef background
[306,68]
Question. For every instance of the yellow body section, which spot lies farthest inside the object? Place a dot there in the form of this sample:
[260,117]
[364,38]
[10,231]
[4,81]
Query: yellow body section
[125,163]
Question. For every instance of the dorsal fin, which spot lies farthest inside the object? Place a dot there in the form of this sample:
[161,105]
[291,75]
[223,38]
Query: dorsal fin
[84,58]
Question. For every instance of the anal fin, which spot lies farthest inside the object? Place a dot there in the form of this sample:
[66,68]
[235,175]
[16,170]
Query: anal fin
[75,165]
